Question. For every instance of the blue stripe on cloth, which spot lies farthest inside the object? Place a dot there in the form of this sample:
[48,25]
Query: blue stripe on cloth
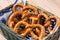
[15,1]
[3,20]
[7,10]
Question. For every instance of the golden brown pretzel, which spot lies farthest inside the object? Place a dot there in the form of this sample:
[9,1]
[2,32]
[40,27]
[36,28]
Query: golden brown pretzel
[39,32]
[24,32]
[14,18]
[45,19]
[56,25]
[30,7]
[17,5]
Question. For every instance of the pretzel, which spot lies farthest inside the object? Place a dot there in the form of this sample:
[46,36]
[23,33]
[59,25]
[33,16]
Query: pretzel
[39,31]
[43,18]
[56,24]
[14,18]
[16,6]
[34,9]
[23,31]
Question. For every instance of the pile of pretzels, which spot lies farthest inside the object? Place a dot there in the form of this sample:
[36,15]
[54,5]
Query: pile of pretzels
[26,20]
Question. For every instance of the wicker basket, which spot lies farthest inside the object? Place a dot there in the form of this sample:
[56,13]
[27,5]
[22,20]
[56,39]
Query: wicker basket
[10,35]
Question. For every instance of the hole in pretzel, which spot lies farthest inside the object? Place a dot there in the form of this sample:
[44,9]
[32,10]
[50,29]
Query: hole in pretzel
[35,31]
[28,36]
[42,20]
[30,10]
[18,8]
[53,22]
[46,31]
[21,28]
[19,17]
